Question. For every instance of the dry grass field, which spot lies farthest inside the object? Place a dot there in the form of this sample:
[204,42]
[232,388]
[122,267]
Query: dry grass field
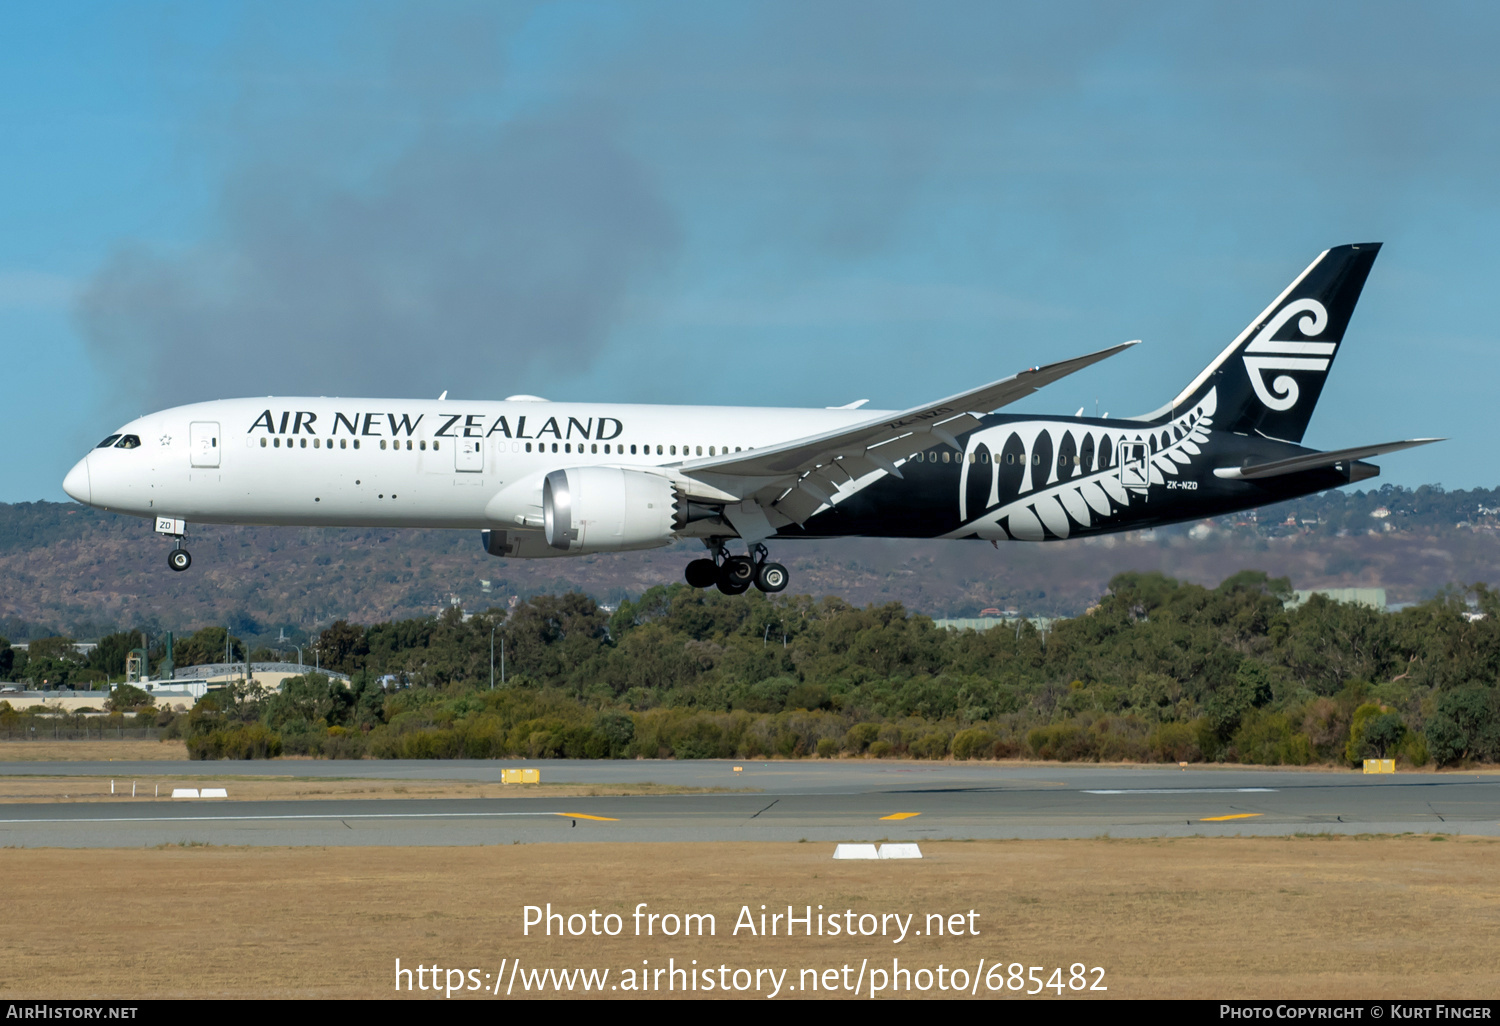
[1315,917]
[34,789]
[90,751]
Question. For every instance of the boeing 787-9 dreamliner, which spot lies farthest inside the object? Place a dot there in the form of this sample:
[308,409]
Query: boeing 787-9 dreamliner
[544,479]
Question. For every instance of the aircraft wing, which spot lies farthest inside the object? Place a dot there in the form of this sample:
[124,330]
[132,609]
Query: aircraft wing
[817,464]
[1316,460]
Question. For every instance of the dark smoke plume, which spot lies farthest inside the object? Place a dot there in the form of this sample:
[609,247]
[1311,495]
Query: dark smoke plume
[471,253]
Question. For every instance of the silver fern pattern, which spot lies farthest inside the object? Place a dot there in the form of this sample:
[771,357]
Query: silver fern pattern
[1035,480]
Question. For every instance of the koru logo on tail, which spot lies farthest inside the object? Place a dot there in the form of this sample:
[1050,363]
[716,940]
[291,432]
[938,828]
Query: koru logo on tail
[1288,356]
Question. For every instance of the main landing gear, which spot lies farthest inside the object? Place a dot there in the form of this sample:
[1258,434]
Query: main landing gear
[733,575]
[179,558]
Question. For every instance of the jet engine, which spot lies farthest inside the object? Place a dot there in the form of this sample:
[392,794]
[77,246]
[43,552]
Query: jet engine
[610,509]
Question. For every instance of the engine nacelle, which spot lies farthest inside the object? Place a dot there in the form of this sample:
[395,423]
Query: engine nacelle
[607,509]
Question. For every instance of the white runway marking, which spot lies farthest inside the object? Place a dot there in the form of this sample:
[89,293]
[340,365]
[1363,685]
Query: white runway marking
[1188,790]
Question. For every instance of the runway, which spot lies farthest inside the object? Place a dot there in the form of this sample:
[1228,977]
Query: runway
[790,801]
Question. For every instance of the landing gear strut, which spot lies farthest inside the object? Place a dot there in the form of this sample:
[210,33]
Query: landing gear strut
[733,575]
[179,559]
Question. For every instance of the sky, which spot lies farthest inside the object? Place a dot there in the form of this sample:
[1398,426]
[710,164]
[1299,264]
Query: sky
[751,203]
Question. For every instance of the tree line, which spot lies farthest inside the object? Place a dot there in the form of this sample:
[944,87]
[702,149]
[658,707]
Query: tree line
[1159,670]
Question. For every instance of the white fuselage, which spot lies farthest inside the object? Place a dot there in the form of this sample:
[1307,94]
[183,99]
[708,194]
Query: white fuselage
[400,462]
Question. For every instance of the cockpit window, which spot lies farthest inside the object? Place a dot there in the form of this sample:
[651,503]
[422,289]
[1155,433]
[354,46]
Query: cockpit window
[111,440]
[128,442]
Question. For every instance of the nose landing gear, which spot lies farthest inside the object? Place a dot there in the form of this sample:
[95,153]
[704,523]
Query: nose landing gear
[179,558]
[733,575]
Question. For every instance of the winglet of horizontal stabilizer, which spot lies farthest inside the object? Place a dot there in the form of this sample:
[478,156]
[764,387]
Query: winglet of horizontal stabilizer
[1316,460]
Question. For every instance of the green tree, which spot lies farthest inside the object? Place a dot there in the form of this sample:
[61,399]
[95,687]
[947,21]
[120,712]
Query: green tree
[1374,730]
[128,698]
[1464,726]
[53,647]
[109,655]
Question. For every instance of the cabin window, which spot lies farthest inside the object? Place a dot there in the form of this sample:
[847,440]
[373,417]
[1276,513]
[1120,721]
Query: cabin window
[528,446]
[658,451]
[422,445]
[317,443]
[382,443]
[262,443]
[276,442]
[710,450]
[674,450]
[594,447]
[1036,459]
[554,446]
[700,450]
[434,445]
[356,445]
[736,448]
[304,443]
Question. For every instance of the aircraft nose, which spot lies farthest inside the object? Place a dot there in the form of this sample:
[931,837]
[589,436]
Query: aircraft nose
[76,483]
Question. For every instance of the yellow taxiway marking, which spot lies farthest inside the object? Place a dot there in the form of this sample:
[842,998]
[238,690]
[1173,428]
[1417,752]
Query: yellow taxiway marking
[901,815]
[579,815]
[1237,815]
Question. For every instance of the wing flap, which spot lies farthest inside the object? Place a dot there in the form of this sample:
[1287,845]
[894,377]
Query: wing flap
[1316,460]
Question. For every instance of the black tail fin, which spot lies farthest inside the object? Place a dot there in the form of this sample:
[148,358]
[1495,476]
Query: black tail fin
[1270,377]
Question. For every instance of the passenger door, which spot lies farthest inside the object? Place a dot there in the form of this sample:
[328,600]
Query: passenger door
[203,440]
[468,458]
[1134,470]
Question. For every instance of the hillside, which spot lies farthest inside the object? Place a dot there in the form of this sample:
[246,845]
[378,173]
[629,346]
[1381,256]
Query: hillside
[79,571]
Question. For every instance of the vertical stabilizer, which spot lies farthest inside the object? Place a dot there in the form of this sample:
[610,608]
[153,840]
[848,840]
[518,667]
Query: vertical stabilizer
[1270,377]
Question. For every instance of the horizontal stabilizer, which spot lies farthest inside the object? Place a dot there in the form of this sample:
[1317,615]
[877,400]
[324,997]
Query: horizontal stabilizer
[1316,460]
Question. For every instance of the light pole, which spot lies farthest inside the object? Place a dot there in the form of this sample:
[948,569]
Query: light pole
[493,629]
